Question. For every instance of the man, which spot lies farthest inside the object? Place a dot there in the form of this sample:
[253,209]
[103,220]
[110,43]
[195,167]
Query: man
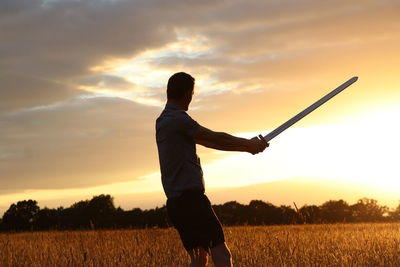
[182,177]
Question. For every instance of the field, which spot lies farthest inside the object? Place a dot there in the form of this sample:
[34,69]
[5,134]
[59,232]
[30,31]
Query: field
[305,245]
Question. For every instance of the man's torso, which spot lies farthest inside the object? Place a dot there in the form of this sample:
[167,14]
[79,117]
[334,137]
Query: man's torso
[179,163]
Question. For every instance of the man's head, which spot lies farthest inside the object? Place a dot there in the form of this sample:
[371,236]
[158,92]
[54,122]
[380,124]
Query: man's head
[180,88]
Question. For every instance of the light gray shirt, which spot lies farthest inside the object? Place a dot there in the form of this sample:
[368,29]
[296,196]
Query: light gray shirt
[179,163]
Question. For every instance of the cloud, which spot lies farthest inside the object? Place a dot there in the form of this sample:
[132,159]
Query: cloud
[23,91]
[266,42]
[82,142]
[249,43]
[107,82]
[69,36]
[60,40]
[55,135]
[247,57]
[64,38]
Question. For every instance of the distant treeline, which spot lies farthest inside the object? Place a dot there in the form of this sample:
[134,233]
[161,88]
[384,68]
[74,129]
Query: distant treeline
[100,213]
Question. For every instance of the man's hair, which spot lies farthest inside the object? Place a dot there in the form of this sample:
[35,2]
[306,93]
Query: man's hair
[179,84]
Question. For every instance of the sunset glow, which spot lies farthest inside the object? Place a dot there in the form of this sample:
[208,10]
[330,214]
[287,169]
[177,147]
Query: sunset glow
[78,105]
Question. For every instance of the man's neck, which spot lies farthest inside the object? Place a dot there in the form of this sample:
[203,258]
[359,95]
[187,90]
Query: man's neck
[178,103]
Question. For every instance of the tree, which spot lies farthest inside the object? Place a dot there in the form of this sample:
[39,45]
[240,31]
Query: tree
[336,211]
[262,213]
[46,219]
[131,218]
[395,215]
[310,214]
[368,210]
[287,215]
[20,216]
[231,213]
[76,216]
[101,211]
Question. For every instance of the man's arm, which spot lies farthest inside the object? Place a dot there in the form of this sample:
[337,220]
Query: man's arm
[227,142]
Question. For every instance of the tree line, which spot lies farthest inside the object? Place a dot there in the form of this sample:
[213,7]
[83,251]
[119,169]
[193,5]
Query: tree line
[101,213]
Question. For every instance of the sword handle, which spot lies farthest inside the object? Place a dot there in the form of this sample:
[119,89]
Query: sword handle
[262,138]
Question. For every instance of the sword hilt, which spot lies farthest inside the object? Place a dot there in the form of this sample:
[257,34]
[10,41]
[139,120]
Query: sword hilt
[262,138]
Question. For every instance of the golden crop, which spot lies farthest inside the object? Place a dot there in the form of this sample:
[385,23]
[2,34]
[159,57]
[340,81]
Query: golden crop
[301,245]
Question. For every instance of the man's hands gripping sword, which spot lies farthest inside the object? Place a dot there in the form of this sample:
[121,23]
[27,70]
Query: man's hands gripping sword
[256,145]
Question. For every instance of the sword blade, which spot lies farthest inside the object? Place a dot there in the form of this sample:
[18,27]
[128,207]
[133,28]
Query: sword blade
[307,111]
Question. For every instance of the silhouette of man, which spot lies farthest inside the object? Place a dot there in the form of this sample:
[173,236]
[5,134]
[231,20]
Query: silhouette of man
[182,177]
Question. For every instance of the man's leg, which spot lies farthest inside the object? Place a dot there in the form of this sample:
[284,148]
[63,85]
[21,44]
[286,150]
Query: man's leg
[198,256]
[221,255]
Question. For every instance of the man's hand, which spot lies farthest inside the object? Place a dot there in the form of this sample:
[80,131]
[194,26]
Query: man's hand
[257,145]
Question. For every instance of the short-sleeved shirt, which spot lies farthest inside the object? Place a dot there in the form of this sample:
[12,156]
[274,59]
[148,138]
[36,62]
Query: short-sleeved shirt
[180,166]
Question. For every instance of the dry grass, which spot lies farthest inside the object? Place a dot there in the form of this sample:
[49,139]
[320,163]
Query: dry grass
[310,245]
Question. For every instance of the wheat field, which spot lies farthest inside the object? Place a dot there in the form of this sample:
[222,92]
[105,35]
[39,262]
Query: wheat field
[301,245]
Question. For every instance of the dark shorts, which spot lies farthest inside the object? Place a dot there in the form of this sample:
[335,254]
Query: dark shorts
[195,220]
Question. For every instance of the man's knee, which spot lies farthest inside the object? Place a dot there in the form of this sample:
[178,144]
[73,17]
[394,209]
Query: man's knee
[221,253]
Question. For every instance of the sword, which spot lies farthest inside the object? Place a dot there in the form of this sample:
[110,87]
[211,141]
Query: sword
[307,111]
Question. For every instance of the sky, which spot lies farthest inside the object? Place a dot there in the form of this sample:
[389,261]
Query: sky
[82,82]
